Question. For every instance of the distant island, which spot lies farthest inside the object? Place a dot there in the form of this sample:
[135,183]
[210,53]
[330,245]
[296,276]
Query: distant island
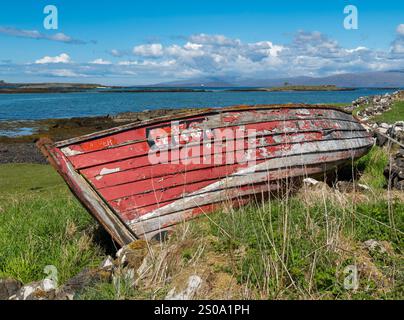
[287,88]
[152,89]
[10,88]
[47,87]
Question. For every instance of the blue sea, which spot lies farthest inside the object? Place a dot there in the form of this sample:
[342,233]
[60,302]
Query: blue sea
[67,105]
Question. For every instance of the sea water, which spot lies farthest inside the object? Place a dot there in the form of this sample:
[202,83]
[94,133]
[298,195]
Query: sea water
[67,105]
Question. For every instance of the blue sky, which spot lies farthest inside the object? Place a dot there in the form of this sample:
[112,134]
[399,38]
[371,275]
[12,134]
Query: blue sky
[140,42]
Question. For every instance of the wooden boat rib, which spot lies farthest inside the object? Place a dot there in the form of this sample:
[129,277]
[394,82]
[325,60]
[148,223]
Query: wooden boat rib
[141,179]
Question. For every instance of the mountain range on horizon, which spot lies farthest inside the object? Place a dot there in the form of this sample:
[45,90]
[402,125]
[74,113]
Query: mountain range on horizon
[376,79]
[383,79]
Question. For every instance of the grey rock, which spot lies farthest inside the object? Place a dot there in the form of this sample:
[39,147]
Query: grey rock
[194,283]
[108,263]
[310,182]
[8,288]
[40,290]
[373,245]
[380,139]
[400,185]
[348,186]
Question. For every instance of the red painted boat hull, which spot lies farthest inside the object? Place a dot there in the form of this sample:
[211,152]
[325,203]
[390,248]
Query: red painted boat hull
[141,179]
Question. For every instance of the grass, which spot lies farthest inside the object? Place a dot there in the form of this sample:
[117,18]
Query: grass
[42,224]
[293,246]
[395,114]
[358,109]
[372,166]
[336,104]
[294,251]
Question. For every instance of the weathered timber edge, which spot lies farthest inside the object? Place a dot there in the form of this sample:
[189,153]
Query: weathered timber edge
[89,198]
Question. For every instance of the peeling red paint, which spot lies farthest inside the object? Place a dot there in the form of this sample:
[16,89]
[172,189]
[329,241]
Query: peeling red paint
[131,196]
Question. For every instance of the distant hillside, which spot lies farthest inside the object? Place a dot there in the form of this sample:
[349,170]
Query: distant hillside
[384,79]
[46,87]
[198,82]
[288,87]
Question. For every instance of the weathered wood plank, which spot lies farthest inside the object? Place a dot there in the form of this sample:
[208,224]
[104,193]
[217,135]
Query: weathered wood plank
[112,177]
[267,120]
[139,149]
[127,200]
[226,195]
[129,140]
[141,161]
[205,112]
[265,171]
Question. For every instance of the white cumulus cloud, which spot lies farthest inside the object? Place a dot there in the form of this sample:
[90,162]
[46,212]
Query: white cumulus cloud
[100,61]
[64,73]
[149,50]
[35,34]
[400,29]
[308,53]
[397,46]
[62,58]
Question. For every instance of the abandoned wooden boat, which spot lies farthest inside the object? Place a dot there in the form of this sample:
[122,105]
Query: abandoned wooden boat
[139,180]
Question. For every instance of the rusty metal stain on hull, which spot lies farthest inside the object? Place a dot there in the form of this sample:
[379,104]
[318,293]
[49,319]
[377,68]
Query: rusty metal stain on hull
[131,195]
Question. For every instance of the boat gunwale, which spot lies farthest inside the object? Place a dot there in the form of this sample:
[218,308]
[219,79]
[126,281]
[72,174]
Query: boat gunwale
[190,114]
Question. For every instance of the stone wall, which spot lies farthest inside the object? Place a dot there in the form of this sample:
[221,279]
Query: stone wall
[377,105]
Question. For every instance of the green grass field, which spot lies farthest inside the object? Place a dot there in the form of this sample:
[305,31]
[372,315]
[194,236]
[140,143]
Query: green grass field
[42,224]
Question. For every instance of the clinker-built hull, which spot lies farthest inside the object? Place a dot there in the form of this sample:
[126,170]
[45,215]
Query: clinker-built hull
[141,179]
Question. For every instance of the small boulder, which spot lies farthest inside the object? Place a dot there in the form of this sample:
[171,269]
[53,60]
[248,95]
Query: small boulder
[40,290]
[133,254]
[362,187]
[378,246]
[107,264]
[344,186]
[194,283]
[349,186]
[81,281]
[310,182]
[380,139]
[8,288]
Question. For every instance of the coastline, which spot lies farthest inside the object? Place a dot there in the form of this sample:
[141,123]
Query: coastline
[91,88]
[293,88]
[97,90]
[22,149]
